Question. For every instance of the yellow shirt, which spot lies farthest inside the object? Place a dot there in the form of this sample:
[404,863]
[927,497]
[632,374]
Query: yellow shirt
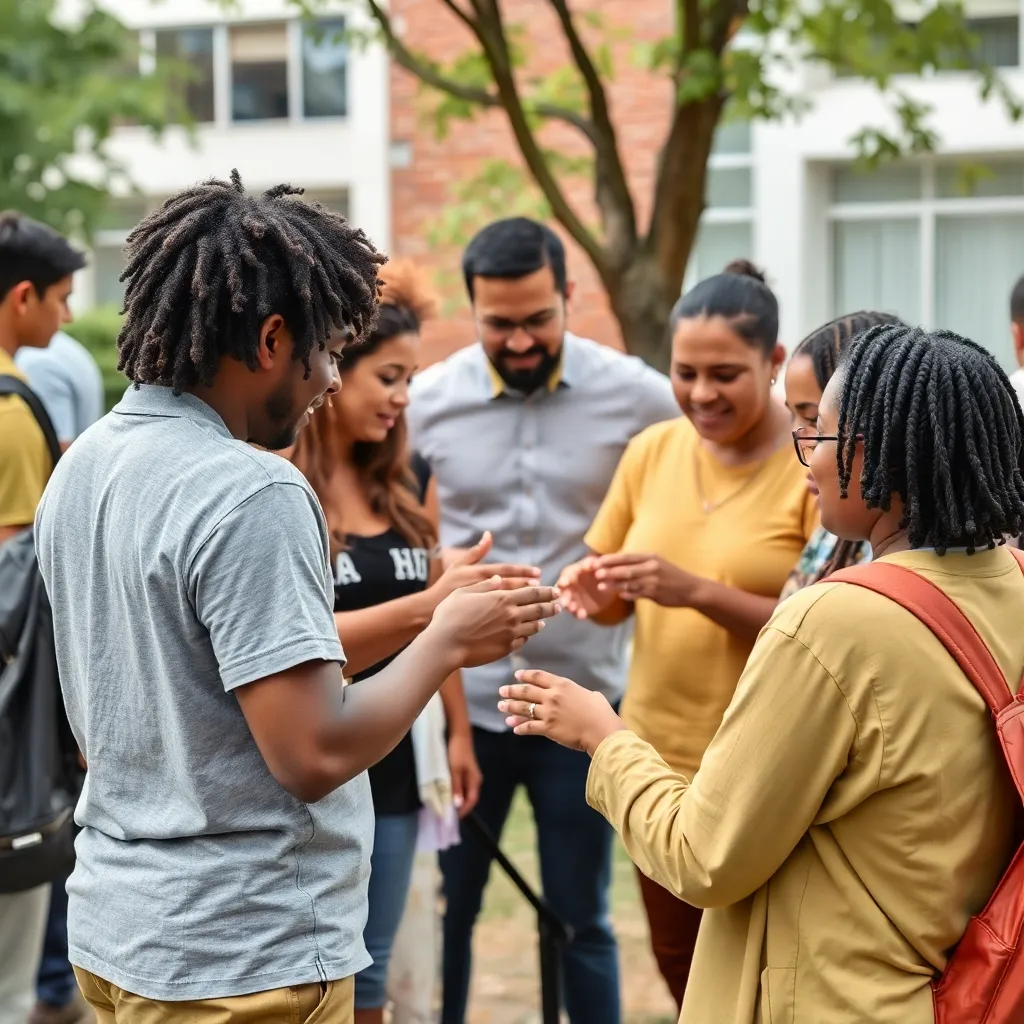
[24,458]
[685,666]
[851,815]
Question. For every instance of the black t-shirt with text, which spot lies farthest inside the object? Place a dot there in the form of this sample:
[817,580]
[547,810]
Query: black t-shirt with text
[368,572]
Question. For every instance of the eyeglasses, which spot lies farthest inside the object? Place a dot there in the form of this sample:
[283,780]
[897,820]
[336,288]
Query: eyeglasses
[805,443]
[541,327]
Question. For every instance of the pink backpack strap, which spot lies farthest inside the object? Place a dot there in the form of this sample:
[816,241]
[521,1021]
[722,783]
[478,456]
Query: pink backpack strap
[943,617]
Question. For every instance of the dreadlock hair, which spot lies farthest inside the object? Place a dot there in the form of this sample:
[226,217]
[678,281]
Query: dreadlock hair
[205,271]
[825,345]
[406,300]
[941,427]
[740,295]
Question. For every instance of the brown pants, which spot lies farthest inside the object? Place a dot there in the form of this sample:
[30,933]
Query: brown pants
[674,926]
[330,1003]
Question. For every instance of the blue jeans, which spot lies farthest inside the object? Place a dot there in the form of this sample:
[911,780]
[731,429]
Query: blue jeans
[575,847]
[394,850]
[55,984]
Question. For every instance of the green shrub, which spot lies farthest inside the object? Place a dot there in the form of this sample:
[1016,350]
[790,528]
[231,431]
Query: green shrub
[97,331]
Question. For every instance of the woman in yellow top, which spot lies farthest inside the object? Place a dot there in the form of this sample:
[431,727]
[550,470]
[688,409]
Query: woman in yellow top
[854,809]
[705,519]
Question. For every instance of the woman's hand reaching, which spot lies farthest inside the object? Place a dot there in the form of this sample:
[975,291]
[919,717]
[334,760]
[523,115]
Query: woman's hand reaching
[465,568]
[542,704]
[580,594]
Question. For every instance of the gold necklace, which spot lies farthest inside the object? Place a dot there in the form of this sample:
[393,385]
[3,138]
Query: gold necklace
[707,507]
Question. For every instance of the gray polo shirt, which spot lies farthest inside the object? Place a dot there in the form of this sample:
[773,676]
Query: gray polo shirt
[534,470]
[182,564]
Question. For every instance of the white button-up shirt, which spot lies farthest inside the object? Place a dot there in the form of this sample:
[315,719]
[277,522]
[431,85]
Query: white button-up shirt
[534,469]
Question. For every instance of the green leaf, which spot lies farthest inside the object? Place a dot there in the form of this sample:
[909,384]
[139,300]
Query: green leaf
[64,87]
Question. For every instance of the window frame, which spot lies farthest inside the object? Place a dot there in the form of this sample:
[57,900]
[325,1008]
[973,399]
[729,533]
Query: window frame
[715,215]
[926,211]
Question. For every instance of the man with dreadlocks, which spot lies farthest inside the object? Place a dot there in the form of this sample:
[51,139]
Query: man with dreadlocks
[854,809]
[226,820]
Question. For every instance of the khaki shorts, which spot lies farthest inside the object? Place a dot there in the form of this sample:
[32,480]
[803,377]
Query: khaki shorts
[330,1003]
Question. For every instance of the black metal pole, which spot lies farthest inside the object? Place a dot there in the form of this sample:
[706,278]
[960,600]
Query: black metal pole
[553,933]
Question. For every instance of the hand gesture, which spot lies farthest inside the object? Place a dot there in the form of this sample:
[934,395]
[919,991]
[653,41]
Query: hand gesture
[484,622]
[465,772]
[541,704]
[578,587]
[464,568]
[649,576]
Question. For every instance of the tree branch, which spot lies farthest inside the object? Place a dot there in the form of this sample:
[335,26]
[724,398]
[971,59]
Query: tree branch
[612,190]
[459,12]
[490,31]
[429,75]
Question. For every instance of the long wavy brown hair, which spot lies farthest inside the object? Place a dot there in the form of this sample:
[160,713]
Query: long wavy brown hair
[384,471]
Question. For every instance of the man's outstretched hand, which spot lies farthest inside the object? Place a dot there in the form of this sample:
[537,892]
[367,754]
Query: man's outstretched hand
[484,623]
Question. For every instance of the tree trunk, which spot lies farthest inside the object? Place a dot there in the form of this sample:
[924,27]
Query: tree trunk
[642,302]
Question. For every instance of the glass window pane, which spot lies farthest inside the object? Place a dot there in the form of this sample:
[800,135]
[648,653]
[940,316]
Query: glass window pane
[732,137]
[883,184]
[259,72]
[122,214]
[998,40]
[192,47]
[336,202]
[719,244]
[984,178]
[728,186]
[877,265]
[107,266]
[977,261]
[324,70]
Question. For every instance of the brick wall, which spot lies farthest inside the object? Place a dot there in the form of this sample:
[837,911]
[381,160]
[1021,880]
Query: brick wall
[640,106]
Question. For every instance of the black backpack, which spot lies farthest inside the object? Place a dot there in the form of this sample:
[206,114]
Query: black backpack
[39,774]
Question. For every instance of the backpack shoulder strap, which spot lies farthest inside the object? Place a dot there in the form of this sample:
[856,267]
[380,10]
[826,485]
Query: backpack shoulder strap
[11,385]
[941,615]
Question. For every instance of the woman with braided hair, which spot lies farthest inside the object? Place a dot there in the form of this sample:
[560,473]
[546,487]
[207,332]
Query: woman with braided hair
[809,369]
[226,820]
[854,810]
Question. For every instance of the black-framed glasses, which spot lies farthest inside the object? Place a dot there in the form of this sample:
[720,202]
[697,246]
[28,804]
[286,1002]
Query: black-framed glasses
[805,443]
[540,327]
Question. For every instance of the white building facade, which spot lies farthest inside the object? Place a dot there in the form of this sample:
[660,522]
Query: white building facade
[937,240]
[281,100]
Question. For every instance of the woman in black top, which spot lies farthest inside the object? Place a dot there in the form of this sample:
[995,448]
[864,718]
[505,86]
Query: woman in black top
[382,514]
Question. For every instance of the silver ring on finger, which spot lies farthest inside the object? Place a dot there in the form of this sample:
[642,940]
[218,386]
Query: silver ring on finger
[532,710]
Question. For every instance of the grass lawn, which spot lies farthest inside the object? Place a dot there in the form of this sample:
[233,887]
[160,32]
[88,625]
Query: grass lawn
[506,988]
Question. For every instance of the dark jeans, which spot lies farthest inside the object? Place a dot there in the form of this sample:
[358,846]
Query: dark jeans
[575,847]
[55,984]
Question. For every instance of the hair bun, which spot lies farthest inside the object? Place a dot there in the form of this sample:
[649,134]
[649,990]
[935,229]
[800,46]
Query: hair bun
[744,268]
[406,286]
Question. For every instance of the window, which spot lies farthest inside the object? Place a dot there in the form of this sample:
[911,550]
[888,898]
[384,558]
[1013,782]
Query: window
[726,226]
[998,40]
[192,48]
[336,202]
[259,72]
[933,244]
[324,70]
[878,266]
[107,258]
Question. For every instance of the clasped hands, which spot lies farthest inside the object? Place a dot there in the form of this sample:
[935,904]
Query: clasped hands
[589,586]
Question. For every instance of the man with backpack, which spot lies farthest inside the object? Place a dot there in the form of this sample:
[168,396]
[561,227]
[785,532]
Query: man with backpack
[36,268]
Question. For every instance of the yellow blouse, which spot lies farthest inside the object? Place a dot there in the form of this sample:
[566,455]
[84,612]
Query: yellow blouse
[685,666]
[850,816]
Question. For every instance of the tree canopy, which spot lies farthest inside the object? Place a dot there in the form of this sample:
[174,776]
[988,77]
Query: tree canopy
[64,86]
[721,55]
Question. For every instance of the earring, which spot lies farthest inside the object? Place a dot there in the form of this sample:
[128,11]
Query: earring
[330,404]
